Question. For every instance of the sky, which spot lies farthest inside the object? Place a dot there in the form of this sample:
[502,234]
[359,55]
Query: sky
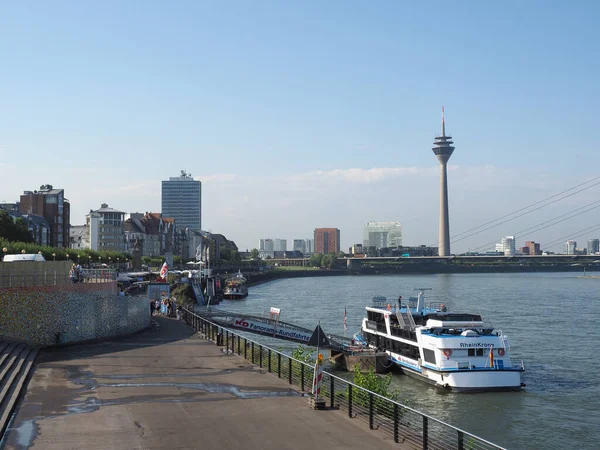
[298,115]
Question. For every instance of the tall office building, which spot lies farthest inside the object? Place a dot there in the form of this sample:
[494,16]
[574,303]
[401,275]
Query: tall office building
[52,205]
[305,246]
[182,201]
[508,245]
[569,247]
[534,247]
[106,229]
[443,150]
[382,234]
[593,246]
[327,240]
[280,245]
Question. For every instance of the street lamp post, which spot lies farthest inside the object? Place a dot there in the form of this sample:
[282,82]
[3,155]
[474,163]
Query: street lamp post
[54,256]
[90,262]
[67,255]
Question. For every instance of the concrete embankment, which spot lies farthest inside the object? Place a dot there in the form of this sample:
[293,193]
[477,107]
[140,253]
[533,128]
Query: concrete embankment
[168,388]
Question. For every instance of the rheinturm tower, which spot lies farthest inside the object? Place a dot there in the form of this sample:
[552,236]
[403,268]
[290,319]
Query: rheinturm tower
[443,150]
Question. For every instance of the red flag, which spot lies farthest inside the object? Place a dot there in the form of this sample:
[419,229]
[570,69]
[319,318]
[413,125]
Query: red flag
[492,357]
[345,326]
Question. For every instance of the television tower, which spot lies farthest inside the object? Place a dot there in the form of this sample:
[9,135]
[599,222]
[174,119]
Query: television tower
[443,150]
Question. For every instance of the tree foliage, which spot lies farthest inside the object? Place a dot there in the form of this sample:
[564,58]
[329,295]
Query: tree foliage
[316,260]
[14,231]
[254,254]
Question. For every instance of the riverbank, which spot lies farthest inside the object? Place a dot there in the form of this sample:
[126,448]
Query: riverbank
[257,278]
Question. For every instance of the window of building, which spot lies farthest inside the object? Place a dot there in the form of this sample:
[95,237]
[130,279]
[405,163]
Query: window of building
[429,356]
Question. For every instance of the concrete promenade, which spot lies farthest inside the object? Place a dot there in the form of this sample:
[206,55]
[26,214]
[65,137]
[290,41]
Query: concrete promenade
[168,388]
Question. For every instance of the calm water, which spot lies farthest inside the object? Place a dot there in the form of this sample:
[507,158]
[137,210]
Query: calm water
[551,321]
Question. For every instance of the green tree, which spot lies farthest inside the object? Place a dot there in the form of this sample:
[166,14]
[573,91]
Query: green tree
[254,254]
[328,260]
[14,230]
[316,260]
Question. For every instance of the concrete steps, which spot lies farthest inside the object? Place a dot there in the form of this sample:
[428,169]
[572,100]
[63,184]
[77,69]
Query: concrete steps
[16,363]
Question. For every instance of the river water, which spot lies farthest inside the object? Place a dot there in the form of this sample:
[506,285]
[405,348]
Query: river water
[551,320]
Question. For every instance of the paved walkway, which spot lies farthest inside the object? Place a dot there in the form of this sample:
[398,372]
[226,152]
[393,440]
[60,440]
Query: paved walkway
[167,388]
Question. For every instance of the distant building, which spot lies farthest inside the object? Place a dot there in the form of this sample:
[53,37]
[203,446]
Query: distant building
[327,240]
[182,201]
[593,246]
[52,205]
[280,245]
[533,248]
[304,246]
[382,234]
[106,229]
[506,246]
[569,248]
[268,245]
[356,249]
[524,250]
[79,237]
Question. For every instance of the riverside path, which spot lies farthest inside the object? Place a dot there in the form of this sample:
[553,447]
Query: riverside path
[168,388]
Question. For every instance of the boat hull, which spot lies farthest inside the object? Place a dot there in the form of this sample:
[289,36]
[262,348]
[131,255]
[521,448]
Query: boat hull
[468,380]
[235,296]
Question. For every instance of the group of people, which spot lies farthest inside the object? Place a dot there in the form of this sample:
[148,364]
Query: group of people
[76,274]
[166,306]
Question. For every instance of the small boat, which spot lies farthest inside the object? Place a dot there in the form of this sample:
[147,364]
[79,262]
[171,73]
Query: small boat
[452,351]
[235,287]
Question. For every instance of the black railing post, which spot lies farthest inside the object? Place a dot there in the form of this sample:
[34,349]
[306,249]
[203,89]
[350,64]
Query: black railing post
[396,423]
[238,339]
[331,391]
[350,401]
[232,343]
[260,356]
[278,365]
[370,410]
[425,433]
[302,377]
[290,369]
[245,349]
[252,352]
[269,361]
[461,440]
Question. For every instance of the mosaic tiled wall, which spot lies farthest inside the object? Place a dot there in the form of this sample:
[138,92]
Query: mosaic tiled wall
[50,315]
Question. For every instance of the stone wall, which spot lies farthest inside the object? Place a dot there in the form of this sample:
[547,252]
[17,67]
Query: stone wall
[51,315]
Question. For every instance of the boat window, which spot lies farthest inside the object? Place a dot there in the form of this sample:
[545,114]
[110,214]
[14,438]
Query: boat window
[429,355]
[479,352]
[471,352]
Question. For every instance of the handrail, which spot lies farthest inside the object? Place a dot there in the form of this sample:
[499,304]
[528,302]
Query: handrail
[428,432]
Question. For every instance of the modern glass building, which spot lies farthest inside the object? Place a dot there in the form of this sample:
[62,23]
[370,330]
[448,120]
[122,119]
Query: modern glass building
[593,246]
[382,235]
[182,201]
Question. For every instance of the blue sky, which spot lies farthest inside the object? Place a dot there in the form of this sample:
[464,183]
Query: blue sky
[297,115]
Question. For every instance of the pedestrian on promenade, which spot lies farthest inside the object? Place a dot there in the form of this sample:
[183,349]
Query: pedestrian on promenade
[73,274]
[152,307]
[122,293]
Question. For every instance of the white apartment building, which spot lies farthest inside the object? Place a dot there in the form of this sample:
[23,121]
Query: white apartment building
[382,234]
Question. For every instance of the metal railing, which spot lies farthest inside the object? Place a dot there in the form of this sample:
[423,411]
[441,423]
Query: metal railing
[405,425]
[56,278]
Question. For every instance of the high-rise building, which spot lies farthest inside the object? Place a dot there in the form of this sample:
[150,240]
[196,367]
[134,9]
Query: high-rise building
[280,245]
[534,247]
[305,246]
[182,201]
[593,246]
[508,245]
[52,205]
[106,229]
[269,245]
[443,150]
[569,247]
[382,234]
[327,240]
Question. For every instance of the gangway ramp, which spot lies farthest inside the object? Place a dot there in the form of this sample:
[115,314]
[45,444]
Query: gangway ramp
[273,328]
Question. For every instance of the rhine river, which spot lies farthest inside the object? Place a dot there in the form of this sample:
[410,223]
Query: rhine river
[552,321]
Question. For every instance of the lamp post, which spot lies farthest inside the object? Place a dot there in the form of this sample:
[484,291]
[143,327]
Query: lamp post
[89,261]
[78,259]
[67,255]
[23,251]
[118,263]
[5,250]
[109,262]
[54,256]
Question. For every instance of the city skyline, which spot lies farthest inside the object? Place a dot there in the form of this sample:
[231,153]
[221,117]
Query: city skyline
[330,130]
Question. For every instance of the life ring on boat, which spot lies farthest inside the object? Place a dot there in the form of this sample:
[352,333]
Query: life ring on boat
[447,353]
[501,352]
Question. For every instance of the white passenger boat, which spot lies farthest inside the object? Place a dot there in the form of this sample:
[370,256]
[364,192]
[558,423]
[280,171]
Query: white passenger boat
[454,351]
[235,287]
